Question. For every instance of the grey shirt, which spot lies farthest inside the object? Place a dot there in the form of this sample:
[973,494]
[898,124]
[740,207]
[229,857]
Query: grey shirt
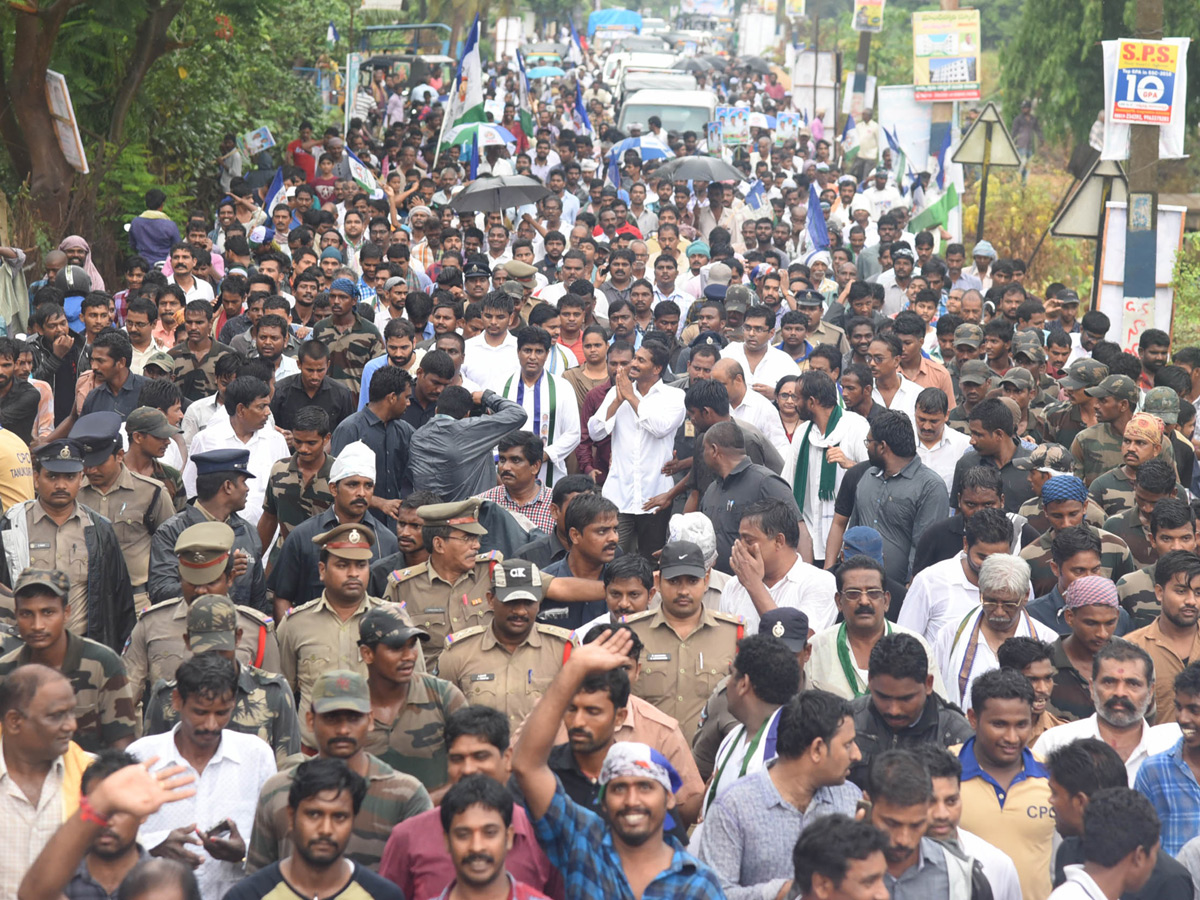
[1016,481]
[900,508]
[454,457]
[926,879]
[750,832]
[726,497]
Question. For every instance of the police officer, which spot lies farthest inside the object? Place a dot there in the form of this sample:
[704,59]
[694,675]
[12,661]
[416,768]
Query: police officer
[812,304]
[323,634]
[264,705]
[447,592]
[508,663]
[55,531]
[221,493]
[408,708]
[134,504]
[158,644]
[688,648]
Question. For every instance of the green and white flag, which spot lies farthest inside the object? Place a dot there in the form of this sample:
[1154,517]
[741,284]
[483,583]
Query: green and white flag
[361,174]
[465,103]
[937,213]
[524,106]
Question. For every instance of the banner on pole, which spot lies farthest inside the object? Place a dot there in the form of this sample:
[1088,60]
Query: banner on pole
[946,55]
[868,15]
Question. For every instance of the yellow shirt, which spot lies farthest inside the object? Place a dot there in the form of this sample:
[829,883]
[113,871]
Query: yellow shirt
[16,485]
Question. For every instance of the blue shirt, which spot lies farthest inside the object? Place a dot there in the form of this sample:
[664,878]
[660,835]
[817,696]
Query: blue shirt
[1168,782]
[580,845]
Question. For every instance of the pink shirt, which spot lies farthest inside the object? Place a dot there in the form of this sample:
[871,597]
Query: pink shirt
[416,860]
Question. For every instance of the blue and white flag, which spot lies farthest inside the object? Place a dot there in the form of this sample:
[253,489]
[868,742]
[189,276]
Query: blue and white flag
[818,234]
[756,195]
[275,193]
[361,174]
[941,159]
[574,47]
[581,110]
[474,167]
[331,33]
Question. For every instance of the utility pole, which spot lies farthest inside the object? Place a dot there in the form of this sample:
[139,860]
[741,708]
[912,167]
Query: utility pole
[942,114]
[1141,228]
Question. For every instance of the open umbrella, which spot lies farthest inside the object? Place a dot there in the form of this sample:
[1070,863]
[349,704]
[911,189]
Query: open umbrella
[718,62]
[693,64]
[490,193]
[703,168]
[545,72]
[489,135]
[647,146]
[761,120]
[755,64]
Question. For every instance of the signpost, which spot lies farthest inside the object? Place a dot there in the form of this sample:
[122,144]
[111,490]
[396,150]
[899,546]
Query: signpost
[987,143]
[1084,213]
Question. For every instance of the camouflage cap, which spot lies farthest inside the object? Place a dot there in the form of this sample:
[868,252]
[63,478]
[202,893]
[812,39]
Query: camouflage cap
[968,334]
[974,371]
[1122,387]
[55,580]
[513,289]
[352,540]
[1026,337]
[340,690]
[1032,352]
[1164,403]
[1053,459]
[203,551]
[738,298]
[385,625]
[160,360]
[1084,373]
[463,515]
[147,420]
[1018,378]
[212,623]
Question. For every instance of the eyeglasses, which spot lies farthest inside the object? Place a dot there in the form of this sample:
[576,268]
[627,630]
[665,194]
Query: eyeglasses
[466,538]
[1009,606]
[875,595]
[877,359]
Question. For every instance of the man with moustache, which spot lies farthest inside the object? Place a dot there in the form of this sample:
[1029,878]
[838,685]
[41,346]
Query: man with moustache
[1173,638]
[591,524]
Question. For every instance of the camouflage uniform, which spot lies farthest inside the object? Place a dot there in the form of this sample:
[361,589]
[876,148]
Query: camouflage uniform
[1071,696]
[1115,560]
[349,350]
[1114,491]
[412,742]
[1098,449]
[172,480]
[147,420]
[292,501]
[1136,593]
[1031,509]
[391,796]
[1064,417]
[264,706]
[1064,421]
[104,707]
[197,378]
[1128,527]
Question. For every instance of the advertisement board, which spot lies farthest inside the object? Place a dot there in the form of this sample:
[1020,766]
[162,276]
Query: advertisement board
[946,55]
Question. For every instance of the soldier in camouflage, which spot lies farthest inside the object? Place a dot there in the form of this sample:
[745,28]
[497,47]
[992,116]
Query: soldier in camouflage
[1172,527]
[104,707]
[1018,385]
[1165,403]
[1155,481]
[351,339]
[1045,461]
[1142,442]
[1067,418]
[1029,355]
[408,709]
[263,704]
[975,379]
[1098,448]
[298,487]
[1063,499]
[338,714]
[149,435]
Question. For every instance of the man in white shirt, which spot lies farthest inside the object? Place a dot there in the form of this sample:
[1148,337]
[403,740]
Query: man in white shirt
[491,356]
[965,649]
[939,447]
[762,364]
[892,390]
[641,414]
[548,399]
[1122,692]
[183,261]
[883,195]
[943,593]
[751,406]
[770,573]
[230,770]
[245,429]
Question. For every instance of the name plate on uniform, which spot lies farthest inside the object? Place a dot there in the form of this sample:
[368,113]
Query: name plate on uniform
[487,677]
[658,657]
[435,609]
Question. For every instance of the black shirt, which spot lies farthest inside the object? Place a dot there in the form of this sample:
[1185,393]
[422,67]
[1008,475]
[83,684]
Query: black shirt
[125,401]
[843,504]
[337,400]
[417,415]
[1169,879]
[19,409]
[1016,481]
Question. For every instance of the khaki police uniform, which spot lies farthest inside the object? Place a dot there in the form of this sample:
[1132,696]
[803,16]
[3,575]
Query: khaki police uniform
[439,606]
[679,674]
[136,506]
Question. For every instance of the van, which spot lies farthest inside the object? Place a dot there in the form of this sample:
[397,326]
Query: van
[679,110]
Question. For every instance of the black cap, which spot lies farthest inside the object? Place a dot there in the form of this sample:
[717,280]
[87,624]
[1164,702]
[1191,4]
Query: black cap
[682,558]
[64,455]
[98,433]
[788,624]
[217,461]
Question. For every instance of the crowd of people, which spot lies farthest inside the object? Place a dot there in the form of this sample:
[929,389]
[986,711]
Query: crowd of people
[873,538]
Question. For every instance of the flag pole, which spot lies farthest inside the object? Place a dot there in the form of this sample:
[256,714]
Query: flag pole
[453,87]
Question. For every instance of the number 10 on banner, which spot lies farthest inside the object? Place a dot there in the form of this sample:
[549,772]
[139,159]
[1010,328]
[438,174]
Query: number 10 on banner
[1145,83]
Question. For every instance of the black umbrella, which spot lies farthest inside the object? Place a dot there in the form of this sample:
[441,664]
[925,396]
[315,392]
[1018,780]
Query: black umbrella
[487,194]
[693,65]
[755,64]
[703,168]
[718,62]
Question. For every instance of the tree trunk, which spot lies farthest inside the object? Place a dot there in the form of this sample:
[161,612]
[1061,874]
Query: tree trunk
[150,45]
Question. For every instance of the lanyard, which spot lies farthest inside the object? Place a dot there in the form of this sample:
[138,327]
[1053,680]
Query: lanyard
[964,671]
[848,667]
[762,729]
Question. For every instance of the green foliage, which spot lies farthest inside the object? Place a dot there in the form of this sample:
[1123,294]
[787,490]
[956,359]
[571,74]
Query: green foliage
[125,182]
[1186,283]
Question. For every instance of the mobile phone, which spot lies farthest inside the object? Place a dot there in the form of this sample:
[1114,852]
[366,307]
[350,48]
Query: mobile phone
[864,806]
[218,829]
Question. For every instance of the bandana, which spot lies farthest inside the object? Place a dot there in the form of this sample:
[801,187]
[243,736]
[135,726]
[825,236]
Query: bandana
[331,253]
[635,760]
[345,285]
[1145,426]
[75,242]
[1091,590]
[697,247]
[903,253]
[1064,487]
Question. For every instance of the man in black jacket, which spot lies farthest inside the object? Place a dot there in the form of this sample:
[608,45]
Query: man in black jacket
[900,709]
[53,531]
[59,356]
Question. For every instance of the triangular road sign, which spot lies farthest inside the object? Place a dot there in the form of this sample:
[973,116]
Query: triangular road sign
[1081,216]
[971,150]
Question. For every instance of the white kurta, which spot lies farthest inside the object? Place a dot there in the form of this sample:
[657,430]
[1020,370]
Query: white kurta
[850,436]
[535,400]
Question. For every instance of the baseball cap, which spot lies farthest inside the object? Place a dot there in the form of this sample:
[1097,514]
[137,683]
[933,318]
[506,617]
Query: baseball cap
[517,579]
[974,371]
[1067,298]
[788,624]
[55,580]
[719,273]
[1018,378]
[147,420]
[160,360]
[385,625]
[339,690]
[1032,352]
[1164,403]
[737,298]
[1120,386]
[862,540]
[1084,373]
[969,334]
[682,558]
[212,623]
[1052,459]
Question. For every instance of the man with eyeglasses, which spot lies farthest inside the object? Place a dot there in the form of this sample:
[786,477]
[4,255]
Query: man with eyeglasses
[966,648]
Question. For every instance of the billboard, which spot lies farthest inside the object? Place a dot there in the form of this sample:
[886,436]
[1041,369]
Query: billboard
[946,55]
[868,16]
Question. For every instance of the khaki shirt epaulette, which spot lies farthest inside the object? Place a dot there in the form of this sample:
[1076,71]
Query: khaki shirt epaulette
[637,617]
[555,631]
[465,633]
[402,575]
[153,606]
[729,617]
[292,610]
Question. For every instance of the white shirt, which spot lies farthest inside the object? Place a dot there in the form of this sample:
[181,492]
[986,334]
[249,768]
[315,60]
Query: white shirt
[762,414]
[198,415]
[895,298]
[228,788]
[1078,886]
[904,400]
[266,447]
[851,436]
[491,366]
[804,587]
[824,669]
[938,595]
[201,289]
[1155,739]
[138,364]
[945,453]
[642,443]
[287,366]
[774,365]
[562,443]
[952,644]
[997,865]
[30,826]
